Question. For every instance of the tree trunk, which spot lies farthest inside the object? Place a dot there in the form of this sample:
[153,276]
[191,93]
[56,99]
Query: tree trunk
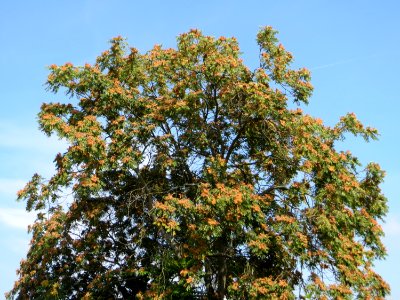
[208,279]
[222,271]
[222,268]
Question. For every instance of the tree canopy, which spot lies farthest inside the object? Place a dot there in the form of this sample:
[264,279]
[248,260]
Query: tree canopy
[192,176]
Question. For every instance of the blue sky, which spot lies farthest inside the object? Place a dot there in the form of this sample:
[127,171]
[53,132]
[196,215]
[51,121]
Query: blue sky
[351,47]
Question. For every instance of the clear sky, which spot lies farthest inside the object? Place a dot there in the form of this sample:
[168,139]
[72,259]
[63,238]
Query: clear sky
[351,47]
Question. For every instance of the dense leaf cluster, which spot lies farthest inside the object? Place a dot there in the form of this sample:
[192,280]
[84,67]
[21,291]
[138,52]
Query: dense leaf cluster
[191,174]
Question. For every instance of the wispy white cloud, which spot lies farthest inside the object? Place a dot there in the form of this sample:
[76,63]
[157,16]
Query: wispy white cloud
[28,138]
[333,64]
[25,150]
[19,245]
[342,62]
[9,187]
[16,218]
[392,227]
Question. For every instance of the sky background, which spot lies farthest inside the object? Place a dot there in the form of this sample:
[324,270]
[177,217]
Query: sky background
[351,47]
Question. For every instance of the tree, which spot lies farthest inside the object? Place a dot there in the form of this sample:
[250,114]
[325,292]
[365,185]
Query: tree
[193,176]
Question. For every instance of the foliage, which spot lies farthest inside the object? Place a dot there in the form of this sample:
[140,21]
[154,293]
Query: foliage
[192,174]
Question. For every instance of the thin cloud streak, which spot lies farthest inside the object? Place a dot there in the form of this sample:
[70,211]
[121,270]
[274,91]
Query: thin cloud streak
[16,218]
[392,227]
[24,138]
[342,62]
[10,187]
[19,246]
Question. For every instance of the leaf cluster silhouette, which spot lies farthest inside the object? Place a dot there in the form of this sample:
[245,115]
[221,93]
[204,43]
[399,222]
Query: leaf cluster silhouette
[193,176]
